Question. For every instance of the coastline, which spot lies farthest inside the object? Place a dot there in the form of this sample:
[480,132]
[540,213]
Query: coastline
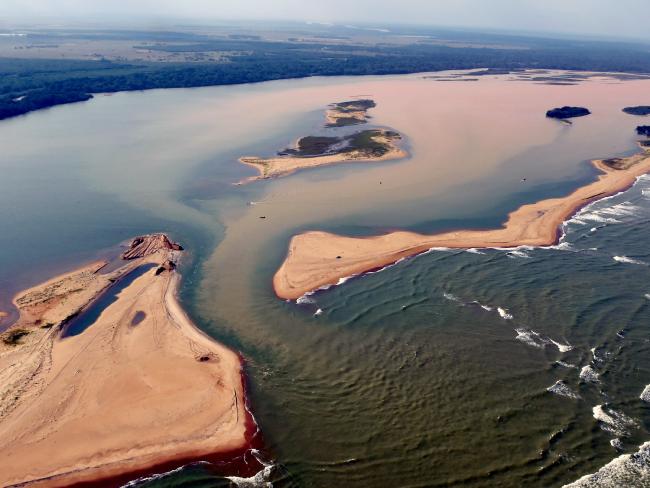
[155,393]
[317,259]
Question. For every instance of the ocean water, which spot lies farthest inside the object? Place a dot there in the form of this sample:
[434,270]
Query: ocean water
[521,367]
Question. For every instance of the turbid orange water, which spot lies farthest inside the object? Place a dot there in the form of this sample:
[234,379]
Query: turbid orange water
[391,384]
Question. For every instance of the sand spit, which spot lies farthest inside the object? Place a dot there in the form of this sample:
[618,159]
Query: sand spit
[318,259]
[285,165]
[124,395]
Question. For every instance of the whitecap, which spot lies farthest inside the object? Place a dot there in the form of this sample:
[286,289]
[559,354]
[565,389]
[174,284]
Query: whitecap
[625,470]
[612,421]
[616,444]
[473,250]
[503,312]
[562,389]
[645,394]
[562,246]
[562,347]
[530,337]
[305,300]
[451,297]
[625,259]
[589,375]
[318,312]
[259,480]
[566,365]
[518,254]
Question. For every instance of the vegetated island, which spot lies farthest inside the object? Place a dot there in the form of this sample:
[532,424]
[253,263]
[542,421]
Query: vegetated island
[567,112]
[104,378]
[638,110]
[319,259]
[643,130]
[352,112]
[313,151]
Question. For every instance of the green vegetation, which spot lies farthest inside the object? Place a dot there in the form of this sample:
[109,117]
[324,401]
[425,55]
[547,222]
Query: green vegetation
[13,337]
[312,146]
[643,130]
[32,84]
[567,112]
[639,110]
[366,142]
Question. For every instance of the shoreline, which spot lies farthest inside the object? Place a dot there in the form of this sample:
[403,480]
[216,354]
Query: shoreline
[155,393]
[316,260]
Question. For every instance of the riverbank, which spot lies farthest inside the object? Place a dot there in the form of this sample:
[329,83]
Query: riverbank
[319,259]
[138,390]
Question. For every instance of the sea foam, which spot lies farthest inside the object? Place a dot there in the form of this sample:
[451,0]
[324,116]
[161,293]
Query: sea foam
[562,389]
[589,375]
[612,421]
[625,470]
[503,312]
[625,259]
[645,394]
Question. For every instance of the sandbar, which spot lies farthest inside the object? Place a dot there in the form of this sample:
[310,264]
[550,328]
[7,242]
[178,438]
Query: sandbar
[139,388]
[318,259]
[384,139]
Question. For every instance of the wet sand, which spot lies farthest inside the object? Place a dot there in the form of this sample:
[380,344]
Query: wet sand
[320,259]
[140,388]
[285,165]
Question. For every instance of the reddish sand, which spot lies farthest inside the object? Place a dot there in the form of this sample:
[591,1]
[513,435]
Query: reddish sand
[318,259]
[140,389]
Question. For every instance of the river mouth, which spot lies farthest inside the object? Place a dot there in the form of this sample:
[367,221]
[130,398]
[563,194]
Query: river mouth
[394,382]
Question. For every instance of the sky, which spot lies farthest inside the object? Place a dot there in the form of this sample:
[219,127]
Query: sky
[610,18]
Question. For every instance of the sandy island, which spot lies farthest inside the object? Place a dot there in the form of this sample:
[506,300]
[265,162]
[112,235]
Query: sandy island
[352,112]
[318,259]
[384,139]
[138,389]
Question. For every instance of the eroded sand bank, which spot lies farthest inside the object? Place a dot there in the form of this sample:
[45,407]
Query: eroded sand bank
[140,387]
[317,259]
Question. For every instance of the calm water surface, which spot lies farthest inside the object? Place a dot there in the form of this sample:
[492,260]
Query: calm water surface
[411,376]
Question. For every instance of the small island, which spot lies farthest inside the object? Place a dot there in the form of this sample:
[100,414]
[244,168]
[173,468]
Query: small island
[351,112]
[638,110]
[567,112]
[314,151]
[643,130]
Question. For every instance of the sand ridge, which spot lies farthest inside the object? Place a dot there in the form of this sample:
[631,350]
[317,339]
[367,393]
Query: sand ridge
[319,259]
[123,395]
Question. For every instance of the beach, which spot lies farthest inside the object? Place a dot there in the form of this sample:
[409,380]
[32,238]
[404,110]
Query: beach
[139,388]
[319,259]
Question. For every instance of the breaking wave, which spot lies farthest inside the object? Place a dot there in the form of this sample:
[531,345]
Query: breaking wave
[626,470]
[535,339]
[503,312]
[645,394]
[589,375]
[562,389]
[625,259]
[612,421]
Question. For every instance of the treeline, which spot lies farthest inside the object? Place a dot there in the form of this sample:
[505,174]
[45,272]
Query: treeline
[27,85]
